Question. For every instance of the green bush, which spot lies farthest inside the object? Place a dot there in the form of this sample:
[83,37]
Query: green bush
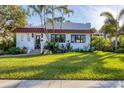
[78,50]
[56,48]
[100,43]
[15,50]
[62,48]
[68,47]
[120,50]
[53,46]
[6,44]
[1,52]
[121,41]
[1,47]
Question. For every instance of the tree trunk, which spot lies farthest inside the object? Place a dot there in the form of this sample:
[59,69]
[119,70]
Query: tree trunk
[45,29]
[53,19]
[61,23]
[116,41]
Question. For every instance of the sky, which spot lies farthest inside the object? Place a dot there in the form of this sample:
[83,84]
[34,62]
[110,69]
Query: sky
[84,14]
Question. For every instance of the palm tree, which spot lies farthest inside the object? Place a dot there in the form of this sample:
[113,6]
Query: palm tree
[93,29]
[108,29]
[51,12]
[115,24]
[40,10]
[64,10]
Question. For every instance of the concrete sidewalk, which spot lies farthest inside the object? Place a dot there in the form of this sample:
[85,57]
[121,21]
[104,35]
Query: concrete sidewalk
[60,84]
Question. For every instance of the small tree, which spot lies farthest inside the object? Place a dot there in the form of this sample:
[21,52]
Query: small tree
[10,18]
[115,24]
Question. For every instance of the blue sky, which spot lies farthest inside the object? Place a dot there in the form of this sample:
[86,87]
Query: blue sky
[84,14]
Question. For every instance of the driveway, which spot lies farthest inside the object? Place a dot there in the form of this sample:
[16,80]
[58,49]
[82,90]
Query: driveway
[60,84]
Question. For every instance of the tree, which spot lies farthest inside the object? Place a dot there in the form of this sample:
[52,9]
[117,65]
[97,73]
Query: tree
[50,12]
[64,10]
[10,18]
[108,29]
[40,10]
[93,29]
[37,9]
[114,22]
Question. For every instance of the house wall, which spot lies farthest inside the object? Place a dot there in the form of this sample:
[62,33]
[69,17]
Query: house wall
[85,46]
[31,44]
[22,40]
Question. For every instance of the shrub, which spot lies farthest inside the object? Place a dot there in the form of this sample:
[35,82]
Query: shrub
[24,50]
[120,50]
[107,46]
[1,47]
[56,48]
[15,50]
[78,50]
[1,52]
[121,41]
[53,46]
[62,49]
[68,46]
[6,44]
[100,43]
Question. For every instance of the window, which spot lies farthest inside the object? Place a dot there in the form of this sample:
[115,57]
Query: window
[58,37]
[28,37]
[78,38]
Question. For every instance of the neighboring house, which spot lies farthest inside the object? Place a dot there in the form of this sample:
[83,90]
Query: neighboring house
[35,38]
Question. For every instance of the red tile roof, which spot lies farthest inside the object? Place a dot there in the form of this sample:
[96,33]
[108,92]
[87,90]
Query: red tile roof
[41,30]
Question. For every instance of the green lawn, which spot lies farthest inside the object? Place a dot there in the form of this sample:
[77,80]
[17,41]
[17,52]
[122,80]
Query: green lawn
[96,65]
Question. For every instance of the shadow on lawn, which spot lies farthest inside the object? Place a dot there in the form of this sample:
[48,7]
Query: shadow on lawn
[68,67]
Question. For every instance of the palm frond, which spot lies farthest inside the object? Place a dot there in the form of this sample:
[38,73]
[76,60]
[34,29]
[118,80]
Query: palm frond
[107,15]
[59,19]
[121,14]
[50,20]
[121,30]
[109,18]
[108,28]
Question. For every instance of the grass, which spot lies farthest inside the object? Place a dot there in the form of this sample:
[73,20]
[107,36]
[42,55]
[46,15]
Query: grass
[93,66]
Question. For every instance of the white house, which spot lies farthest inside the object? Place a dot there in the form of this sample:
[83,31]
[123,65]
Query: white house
[78,34]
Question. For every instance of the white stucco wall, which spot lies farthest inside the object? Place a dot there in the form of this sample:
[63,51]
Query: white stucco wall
[84,46]
[31,44]
[22,41]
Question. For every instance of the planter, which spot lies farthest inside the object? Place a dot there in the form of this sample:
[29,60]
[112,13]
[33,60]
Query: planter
[25,50]
[47,51]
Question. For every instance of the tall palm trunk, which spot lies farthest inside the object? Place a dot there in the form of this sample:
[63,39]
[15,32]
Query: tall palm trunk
[45,28]
[105,36]
[53,19]
[116,41]
[116,35]
[61,23]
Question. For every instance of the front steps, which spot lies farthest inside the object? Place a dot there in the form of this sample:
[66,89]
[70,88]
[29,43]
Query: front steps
[35,51]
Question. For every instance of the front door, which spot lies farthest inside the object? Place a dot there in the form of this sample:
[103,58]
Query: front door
[37,42]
